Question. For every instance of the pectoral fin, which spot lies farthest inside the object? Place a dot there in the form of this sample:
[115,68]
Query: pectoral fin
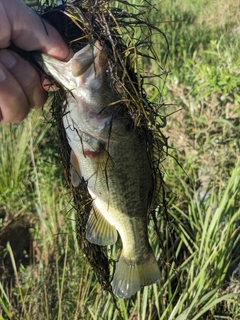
[74,170]
[101,157]
[105,162]
[99,230]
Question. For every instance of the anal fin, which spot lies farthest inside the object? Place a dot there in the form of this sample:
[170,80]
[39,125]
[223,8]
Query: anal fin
[99,230]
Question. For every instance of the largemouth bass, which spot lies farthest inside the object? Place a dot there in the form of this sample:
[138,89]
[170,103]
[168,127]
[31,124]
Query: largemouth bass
[110,154]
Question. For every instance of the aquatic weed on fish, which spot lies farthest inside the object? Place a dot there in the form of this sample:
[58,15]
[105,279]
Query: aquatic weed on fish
[126,38]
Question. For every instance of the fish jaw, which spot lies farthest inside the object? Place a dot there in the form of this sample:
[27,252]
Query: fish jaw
[60,71]
[68,74]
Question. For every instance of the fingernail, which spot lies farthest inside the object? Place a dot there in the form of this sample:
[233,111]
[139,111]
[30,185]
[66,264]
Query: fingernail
[2,75]
[7,59]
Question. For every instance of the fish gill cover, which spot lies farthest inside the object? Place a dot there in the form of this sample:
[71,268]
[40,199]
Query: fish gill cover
[126,36]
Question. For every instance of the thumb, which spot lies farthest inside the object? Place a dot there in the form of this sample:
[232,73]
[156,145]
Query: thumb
[29,31]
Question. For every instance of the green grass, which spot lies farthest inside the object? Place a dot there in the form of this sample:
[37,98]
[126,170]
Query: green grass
[199,237]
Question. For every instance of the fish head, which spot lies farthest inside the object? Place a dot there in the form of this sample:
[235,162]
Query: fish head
[85,75]
[87,65]
[92,101]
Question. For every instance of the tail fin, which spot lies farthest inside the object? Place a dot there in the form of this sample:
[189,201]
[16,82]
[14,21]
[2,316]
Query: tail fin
[129,277]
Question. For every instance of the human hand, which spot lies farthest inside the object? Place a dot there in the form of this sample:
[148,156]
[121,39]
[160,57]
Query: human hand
[20,84]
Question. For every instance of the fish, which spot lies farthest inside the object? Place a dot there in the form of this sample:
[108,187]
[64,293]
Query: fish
[111,155]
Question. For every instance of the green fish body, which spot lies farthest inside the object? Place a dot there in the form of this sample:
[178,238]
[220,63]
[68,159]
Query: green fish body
[111,155]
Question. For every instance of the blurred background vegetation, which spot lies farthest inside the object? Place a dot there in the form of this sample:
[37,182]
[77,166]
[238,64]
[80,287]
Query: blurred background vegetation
[42,270]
